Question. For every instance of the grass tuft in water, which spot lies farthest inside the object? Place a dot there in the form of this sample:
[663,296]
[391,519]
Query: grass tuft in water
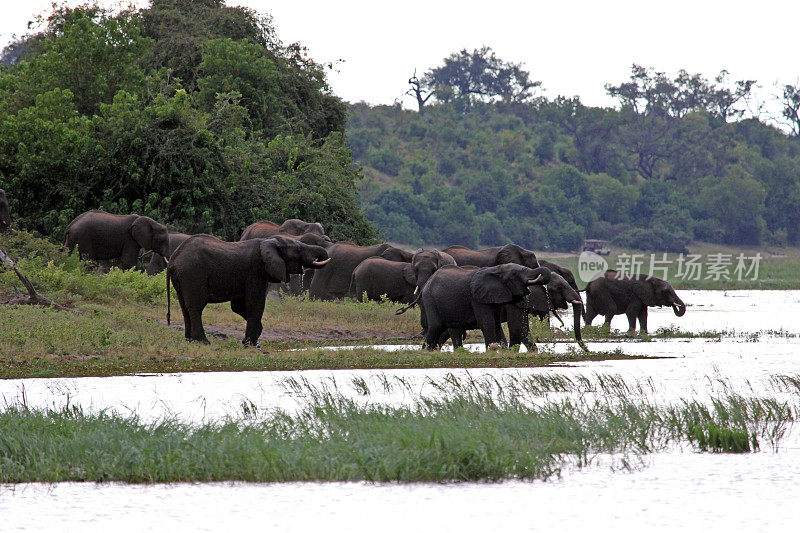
[468,429]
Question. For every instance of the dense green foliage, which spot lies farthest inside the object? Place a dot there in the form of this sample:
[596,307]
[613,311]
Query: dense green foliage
[190,112]
[676,162]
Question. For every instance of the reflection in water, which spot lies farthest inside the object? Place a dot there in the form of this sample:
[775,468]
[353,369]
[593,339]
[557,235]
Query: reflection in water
[749,492]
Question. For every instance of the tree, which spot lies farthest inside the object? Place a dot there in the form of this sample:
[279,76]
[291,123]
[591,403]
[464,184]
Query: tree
[791,108]
[417,90]
[652,93]
[479,76]
[737,204]
[92,116]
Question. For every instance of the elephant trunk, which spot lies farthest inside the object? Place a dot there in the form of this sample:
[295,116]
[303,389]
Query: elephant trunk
[577,311]
[679,308]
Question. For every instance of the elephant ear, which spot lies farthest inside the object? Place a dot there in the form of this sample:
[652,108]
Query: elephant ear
[397,254]
[443,258]
[409,275]
[142,232]
[645,291]
[537,299]
[273,261]
[508,254]
[488,288]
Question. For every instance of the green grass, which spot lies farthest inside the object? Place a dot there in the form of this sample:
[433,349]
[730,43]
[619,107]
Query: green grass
[101,340]
[470,430]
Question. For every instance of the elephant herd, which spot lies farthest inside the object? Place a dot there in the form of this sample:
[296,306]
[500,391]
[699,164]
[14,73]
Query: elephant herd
[457,289]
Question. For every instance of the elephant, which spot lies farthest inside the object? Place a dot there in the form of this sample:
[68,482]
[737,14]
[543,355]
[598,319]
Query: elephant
[264,229]
[102,236]
[498,255]
[295,226]
[157,262]
[297,282]
[461,298]
[399,281]
[559,295]
[333,281]
[565,273]
[5,212]
[615,293]
[207,270]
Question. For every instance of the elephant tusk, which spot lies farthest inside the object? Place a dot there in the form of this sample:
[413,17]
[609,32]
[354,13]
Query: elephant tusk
[533,281]
[577,302]
[321,263]
[165,259]
[416,289]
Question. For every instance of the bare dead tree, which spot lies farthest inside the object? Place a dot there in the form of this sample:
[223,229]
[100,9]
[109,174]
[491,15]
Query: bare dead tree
[33,297]
[417,91]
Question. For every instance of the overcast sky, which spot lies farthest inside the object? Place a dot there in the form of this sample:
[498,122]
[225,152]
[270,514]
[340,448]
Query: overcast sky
[573,46]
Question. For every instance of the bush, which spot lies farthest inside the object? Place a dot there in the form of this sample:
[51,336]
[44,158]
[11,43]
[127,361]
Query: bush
[91,119]
[654,240]
[64,282]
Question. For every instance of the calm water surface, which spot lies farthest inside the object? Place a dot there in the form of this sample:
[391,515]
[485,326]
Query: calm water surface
[668,491]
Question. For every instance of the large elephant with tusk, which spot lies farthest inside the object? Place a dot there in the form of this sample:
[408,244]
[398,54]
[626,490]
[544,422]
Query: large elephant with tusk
[457,299]
[207,270]
[614,294]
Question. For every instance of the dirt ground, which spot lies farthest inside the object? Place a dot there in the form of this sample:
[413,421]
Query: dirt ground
[296,335]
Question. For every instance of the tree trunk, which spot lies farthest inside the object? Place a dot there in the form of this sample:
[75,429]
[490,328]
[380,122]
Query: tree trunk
[33,297]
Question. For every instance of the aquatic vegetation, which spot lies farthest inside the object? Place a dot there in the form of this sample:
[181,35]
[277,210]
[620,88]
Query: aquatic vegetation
[466,429]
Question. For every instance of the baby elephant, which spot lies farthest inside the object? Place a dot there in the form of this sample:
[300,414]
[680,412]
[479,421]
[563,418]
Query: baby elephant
[615,294]
[207,270]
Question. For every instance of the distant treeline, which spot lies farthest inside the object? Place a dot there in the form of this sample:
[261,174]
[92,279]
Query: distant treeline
[190,112]
[484,162]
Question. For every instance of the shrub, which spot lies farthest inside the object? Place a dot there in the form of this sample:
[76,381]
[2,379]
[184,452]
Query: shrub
[656,240]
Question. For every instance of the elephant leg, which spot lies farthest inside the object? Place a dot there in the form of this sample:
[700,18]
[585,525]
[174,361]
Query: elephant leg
[254,311]
[589,314]
[130,255]
[456,335]
[239,306]
[187,319]
[487,322]
[423,321]
[196,321]
[295,284]
[602,303]
[194,298]
[519,328]
[435,329]
[632,312]
[643,319]
[433,336]
[308,277]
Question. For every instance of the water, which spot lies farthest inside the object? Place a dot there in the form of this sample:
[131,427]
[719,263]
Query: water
[752,492]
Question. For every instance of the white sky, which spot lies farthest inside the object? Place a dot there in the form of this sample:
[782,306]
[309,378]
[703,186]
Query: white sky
[572,46]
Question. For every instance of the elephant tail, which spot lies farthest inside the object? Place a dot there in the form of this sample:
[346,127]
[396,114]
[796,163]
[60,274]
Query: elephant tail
[169,273]
[409,306]
[352,289]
